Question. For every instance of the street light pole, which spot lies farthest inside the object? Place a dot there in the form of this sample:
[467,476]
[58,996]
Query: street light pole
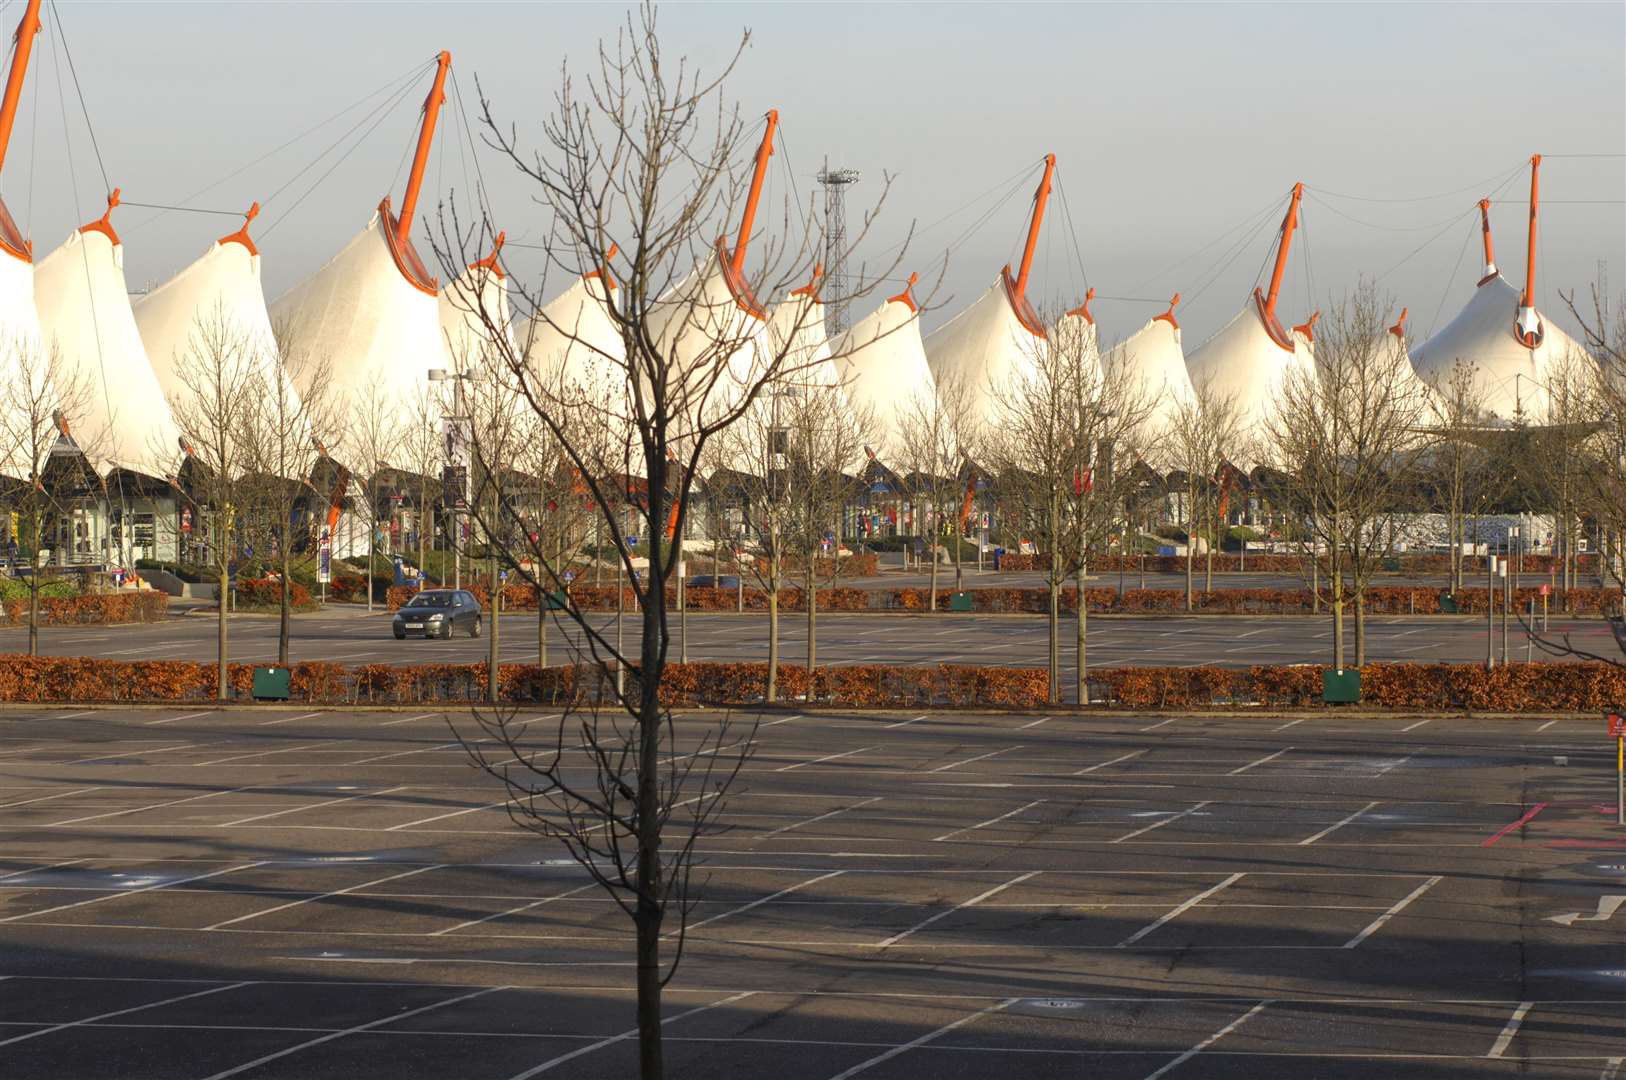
[454,455]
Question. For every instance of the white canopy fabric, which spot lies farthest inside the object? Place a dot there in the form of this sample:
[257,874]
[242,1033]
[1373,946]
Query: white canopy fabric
[1506,374]
[85,315]
[20,357]
[1243,363]
[705,316]
[221,287]
[575,354]
[379,329]
[883,367]
[471,308]
[796,331]
[987,348]
[1153,361]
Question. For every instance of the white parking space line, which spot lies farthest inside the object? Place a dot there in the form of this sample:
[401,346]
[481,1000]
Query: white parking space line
[782,720]
[1210,1041]
[1175,913]
[800,885]
[289,719]
[127,753]
[1394,765]
[1159,824]
[330,1036]
[1545,726]
[1163,723]
[1114,761]
[1509,1030]
[1330,829]
[828,757]
[1418,724]
[132,892]
[527,906]
[906,723]
[310,806]
[1400,905]
[48,798]
[1268,757]
[969,760]
[121,1012]
[269,753]
[448,814]
[150,806]
[990,821]
[1033,723]
[820,817]
[1611,1068]
[410,719]
[405,753]
[945,913]
[31,749]
[1290,723]
[922,1040]
[174,719]
[323,896]
[623,1037]
[41,869]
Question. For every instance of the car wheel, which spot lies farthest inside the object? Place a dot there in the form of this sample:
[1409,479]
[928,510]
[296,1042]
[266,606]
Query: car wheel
[445,630]
[474,631]
[400,635]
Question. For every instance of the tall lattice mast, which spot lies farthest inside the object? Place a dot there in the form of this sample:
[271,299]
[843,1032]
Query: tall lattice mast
[835,183]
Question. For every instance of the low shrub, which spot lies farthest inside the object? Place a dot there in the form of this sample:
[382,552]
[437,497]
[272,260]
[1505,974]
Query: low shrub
[267,592]
[91,609]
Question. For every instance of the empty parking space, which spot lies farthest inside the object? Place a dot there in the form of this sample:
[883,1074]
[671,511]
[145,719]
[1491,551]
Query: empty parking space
[287,893]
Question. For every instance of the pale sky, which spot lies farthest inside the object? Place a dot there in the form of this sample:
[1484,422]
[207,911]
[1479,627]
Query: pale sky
[1172,124]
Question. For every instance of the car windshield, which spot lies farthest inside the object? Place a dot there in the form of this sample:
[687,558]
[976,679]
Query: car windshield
[432,600]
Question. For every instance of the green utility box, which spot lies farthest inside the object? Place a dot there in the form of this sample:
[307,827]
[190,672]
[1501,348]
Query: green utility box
[1448,604]
[1341,686]
[960,601]
[557,601]
[271,684]
[1391,566]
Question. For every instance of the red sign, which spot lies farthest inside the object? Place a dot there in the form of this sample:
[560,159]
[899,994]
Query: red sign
[1617,725]
[1546,590]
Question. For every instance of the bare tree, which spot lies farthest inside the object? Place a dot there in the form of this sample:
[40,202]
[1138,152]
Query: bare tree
[45,397]
[1604,466]
[1460,453]
[1347,436]
[283,432]
[1204,436]
[217,370]
[936,444]
[1565,422]
[369,440]
[646,152]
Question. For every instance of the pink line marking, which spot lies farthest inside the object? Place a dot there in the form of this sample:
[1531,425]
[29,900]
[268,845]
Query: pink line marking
[1534,810]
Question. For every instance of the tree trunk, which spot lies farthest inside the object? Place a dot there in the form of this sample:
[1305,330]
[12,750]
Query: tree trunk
[372,554]
[1338,623]
[220,624]
[1360,626]
[811,593]
[491,634]
[283,623]
[931,552]
[1055,637]
[1083,628]
[773,623]
[34,594]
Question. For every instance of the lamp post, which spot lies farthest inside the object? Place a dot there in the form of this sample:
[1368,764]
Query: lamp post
[456,461]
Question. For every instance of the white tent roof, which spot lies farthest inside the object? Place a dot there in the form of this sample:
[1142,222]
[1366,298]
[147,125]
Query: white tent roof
[575,353]
[19,350]
[707,311]
[988,347]
[223,283]
[1507,374]
[1243,363]
[796,329]
[374,312]
[1152,357]
[883,368]
[471,307]
[84,313]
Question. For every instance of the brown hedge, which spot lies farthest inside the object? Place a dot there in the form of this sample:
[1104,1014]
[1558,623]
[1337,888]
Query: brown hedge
[143,606]
[1284,564]
[1515,688]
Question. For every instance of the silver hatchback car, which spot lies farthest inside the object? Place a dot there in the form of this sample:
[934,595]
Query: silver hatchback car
[439,613]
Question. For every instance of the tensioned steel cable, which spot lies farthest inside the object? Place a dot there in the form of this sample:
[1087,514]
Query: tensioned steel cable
[1248,221]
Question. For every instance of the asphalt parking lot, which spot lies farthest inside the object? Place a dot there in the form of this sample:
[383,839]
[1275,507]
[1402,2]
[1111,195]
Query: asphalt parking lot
[312,894]
[353,637]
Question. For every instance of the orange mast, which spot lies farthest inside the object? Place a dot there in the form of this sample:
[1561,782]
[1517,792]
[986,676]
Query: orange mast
[1399,328]
[1289,224]
[1040,197]
[426,138]
[19,68]
[1527,328]
[1484,228]
[1083,310]
[764,152]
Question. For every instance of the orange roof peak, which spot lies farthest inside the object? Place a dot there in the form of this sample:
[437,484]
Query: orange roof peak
[241,235]
[490,261]
[104,224]
[1083,310]
[604,271]
[811,289]
[1168,316]
[1399,328]
[1307,327]
[907,295]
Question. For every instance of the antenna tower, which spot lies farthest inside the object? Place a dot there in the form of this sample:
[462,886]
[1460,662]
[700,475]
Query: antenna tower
[834,293]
